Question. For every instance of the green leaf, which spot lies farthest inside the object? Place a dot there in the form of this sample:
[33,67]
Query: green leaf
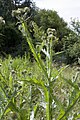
[13,107]
[34,81]
[58,53]
[70,106]
[77,117]
[74,85]
[7,111]
[10,81]
[36,56]
[34,111]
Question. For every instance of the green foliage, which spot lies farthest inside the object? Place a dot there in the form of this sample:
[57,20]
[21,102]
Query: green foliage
[43,18]
[72,43]
[47,85]
[12,90]
[6,7]
[37,90]
[75,23]
[73,53]
[11,39]
[50,19]
[23,89]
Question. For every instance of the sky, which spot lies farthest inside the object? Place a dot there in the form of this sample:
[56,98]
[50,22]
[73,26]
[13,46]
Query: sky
[66,9]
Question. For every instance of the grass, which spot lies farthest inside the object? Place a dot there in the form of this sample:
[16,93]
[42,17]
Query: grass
[15,96]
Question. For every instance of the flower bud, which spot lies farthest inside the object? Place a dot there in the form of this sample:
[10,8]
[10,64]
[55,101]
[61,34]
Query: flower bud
[0,64]
[13,71]
[24,72]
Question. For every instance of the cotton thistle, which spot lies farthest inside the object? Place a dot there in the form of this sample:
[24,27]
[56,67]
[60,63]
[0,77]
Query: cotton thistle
[20,13]
[51,33]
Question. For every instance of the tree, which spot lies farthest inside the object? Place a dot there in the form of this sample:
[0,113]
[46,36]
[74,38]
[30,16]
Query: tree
[75,25]
[11,39]
[6,7]
[72,42]
[49,19]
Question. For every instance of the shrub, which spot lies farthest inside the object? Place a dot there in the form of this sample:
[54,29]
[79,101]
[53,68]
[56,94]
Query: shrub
[11,41]
[72,47]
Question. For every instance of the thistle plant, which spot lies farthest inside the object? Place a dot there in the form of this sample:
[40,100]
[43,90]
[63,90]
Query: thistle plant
[40,95]
[46,86]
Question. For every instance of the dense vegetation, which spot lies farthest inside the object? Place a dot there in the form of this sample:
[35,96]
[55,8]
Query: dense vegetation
[35,83]
[12,41]
[22,91]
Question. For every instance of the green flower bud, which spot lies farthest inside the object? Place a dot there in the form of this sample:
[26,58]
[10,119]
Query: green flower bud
[13,71]
[2,21]
[11,61]
[51,31]
[24,72]
[0,64]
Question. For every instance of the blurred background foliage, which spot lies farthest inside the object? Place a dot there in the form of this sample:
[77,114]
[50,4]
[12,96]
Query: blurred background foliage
[12,41]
